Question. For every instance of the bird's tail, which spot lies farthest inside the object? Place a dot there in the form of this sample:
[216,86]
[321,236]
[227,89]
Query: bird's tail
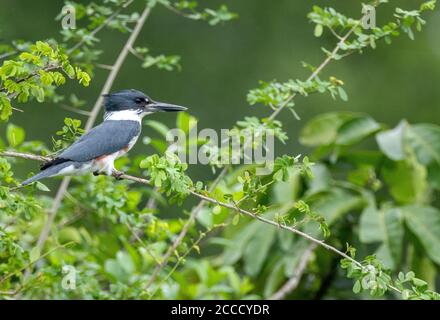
[46,173]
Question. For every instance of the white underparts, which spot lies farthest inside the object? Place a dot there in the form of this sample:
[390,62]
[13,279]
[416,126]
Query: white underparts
[106,164]
[103,164]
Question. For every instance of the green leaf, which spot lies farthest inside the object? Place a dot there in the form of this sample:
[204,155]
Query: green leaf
[42,187]
[15,135]
[323,129]
[424,139]
[38,93]
[261,242]
[236,246]
[125,262]
[318,30]
[424,222]
[69,234]
[357,287]
[335,204]
[421,264]
[355,130]
[34,254]
[275,278]
[369,225]
[235,220]
[342,94]
[384,226]
[278,176]
[393,233]
[406,180]
[383,254]
[70,70]
[5,107]
[185,122]
[390,142]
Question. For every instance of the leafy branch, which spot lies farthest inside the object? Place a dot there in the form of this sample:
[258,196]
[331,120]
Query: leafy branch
[370,272]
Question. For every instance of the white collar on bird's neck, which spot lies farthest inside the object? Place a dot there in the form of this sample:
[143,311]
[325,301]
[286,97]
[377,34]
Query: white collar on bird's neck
[133,115]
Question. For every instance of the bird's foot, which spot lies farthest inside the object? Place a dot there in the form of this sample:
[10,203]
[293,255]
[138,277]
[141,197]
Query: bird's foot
[117,174]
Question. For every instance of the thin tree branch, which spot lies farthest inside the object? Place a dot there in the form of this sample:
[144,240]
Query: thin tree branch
[7,54]
[104,66]
[137,55]
[75,110]
[26,156]
[334,33]
[293,282]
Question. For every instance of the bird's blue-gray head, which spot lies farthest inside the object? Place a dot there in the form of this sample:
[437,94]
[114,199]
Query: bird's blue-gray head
[136,101]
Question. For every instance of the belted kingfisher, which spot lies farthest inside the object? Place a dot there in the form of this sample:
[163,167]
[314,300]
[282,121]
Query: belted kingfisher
[97,150]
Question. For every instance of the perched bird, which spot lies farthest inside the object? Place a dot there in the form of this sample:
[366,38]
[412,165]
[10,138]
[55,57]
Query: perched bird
[97,150]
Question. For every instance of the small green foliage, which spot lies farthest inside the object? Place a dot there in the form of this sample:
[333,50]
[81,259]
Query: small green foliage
[68,133]
[283,165]
[6,175]
[222,14]
[82,77]
[275,94]
[372,276]
[5,107]
[330,18]
[32,75]
[337,23]
[189,9]
[413,288]
[310,215]
[260,128]
[94,15]
[167,173]
[162,62]
[15,135]
[253,187]
[428,5]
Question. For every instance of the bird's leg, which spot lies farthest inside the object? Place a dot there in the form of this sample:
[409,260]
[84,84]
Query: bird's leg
[117,174]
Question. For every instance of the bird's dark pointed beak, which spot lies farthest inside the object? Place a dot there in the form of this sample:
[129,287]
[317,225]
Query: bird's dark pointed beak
[165,107]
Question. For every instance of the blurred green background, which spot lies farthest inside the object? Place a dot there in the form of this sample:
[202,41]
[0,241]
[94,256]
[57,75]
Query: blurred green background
[220,65]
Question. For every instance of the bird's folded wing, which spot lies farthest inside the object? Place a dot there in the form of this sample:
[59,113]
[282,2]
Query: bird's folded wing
[107,138]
